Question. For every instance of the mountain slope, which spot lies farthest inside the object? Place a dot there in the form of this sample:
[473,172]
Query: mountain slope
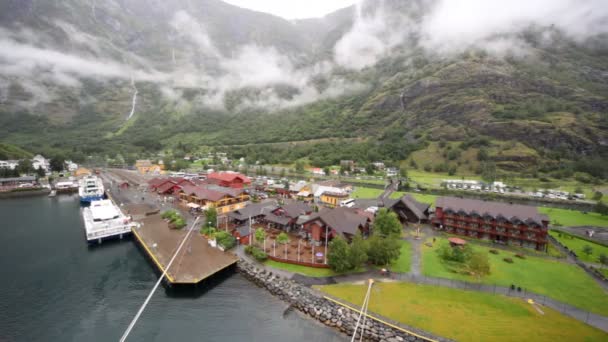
[357,84]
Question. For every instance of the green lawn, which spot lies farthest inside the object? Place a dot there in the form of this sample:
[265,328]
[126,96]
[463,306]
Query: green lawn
[564,282]
[308,271]
[363,192]
[420,197]
[571,218]
[369,181]
[575,244]
[434,179]
[466,315]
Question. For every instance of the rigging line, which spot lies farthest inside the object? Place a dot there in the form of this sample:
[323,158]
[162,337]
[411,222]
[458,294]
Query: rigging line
[162,276]
[364,317]
[365,301]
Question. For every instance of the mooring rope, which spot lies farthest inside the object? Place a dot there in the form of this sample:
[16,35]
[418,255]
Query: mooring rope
[363,308]
[160,279]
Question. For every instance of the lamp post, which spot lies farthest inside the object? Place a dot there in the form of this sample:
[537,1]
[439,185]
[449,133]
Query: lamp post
[299,250]
[250,231]
[326,232]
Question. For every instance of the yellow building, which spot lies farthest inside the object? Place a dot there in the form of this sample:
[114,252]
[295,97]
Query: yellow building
[145,166]
[333,199]
[223,200]
[81,171]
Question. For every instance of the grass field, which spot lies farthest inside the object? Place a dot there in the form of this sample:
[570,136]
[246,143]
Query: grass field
[424,198]
[466,315]
[575,244]
[363,192]
[307,271]
[571,218]
[558,280]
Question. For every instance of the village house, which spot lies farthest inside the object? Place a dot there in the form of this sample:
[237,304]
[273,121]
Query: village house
[70,166]
[333,199]
[378,165]
[223,199]
[346,222]
[285,217]
[145,166]
[229,179]
[168,186]
[408,209]
[510,224]
[347,165]
[39,162]
[9,164]
[81,171]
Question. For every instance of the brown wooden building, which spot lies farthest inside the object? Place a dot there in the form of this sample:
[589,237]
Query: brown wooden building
[510,224]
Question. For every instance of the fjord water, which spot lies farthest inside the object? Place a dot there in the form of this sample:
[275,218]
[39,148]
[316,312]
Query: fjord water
[56,288]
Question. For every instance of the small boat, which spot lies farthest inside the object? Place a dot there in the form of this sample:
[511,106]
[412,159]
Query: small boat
[53,193]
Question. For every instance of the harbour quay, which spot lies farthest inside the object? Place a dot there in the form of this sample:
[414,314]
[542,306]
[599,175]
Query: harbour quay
[196,261]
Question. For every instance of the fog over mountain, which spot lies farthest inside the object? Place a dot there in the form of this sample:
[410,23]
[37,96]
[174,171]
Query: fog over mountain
[393,75]
[58,52]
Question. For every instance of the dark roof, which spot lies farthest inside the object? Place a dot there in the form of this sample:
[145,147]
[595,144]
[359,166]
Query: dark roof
[18,179]
[295,209]
[282,220]
[341,219]
[493,209]
[417,208]
[243,230]
[253,210]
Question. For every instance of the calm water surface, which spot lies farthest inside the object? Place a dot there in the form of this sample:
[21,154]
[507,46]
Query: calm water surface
[56,288]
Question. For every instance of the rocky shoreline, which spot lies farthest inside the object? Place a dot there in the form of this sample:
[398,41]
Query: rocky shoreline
[327,312]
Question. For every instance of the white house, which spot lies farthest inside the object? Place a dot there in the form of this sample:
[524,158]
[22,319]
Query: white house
[71,166]
[40,162]
[8,164]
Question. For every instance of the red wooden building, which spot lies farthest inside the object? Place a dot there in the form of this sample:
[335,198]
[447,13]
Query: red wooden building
[333,222]
[229,179]
[510,224]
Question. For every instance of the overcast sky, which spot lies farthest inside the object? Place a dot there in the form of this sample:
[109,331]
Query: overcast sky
[294,9]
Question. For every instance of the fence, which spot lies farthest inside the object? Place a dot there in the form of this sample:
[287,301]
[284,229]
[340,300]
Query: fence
[598,321]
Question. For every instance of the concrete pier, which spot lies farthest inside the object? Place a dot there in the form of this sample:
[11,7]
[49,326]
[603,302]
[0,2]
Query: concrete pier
[196,261]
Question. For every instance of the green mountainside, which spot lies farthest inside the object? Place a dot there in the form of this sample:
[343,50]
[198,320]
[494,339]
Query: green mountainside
[547,112]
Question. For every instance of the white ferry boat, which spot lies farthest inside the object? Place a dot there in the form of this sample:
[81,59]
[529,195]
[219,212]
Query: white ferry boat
[90,189]
[104,220]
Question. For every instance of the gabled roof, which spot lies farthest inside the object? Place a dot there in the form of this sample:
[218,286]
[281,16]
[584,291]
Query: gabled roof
[228,176]
[295,209]
[166,186]
[494,209]
[154,182]
[253,210]
[282,220]
[203,193]
[342,220]
[417,208]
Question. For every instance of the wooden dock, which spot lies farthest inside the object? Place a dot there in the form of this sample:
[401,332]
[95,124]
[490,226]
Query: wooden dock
[195,262]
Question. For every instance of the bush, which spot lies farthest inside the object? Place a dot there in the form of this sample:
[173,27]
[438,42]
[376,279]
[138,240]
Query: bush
[521,256]
[178,223]
[508,260]
[256,252]
[209,231]
[225,239]
[493,251]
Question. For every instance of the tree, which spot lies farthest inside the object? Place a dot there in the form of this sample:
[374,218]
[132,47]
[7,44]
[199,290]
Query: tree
[211,217]
[597,196]
[387,223]
[488,172]
[282,173]
[299,166]
[478,265]
[403,173]
[369,168]
[327,171]
[286,185]
[603,259]
[357,254]
[40,172]
[337,258]
[56,163]
[383,251]
[282,238]
[587,250]
[25,166]
[260,235]
[601,208]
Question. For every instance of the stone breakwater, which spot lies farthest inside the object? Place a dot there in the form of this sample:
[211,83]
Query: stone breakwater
[325,311]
